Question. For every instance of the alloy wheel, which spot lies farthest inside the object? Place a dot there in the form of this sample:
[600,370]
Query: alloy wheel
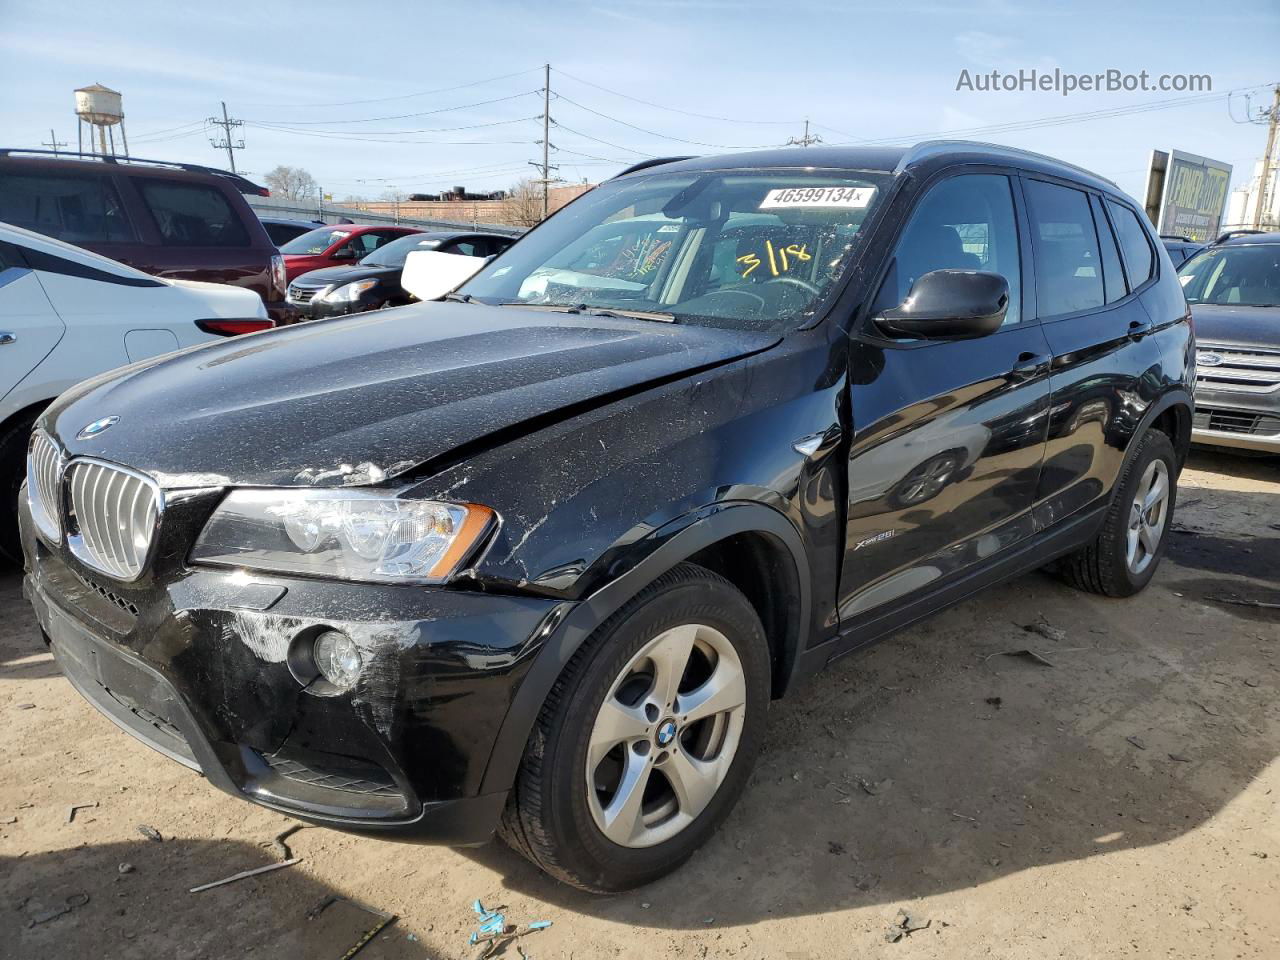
[1147,517]
[665,736]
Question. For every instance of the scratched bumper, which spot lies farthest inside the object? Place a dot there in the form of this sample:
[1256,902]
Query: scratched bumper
[196,666]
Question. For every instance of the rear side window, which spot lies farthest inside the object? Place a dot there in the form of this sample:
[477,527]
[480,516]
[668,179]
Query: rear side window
[1134,243]
[1068,269]
[1112,272]
[964,223]
[75,209]
[193,214]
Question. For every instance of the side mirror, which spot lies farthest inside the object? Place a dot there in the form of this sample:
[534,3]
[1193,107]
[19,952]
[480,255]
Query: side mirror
[343,253]
[949,305]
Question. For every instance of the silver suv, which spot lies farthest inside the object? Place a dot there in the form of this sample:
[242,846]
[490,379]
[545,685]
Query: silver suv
[1233,288]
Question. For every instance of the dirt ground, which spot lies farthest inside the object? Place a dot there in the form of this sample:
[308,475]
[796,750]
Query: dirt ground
[1120,802]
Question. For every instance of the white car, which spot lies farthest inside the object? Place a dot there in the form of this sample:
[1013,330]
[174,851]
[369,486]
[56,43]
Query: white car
[67,314]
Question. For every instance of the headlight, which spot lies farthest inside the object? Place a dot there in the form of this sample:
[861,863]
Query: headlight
[349,292]
[343,534]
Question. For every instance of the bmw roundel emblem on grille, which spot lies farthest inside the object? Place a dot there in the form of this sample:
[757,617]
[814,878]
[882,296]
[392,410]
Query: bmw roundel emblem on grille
[1206,359]
[97,427]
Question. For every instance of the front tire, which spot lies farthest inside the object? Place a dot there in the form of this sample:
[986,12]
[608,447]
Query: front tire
[647,738]
[1127,551]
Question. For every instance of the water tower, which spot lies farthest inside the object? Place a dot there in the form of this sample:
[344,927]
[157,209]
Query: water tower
[101,109]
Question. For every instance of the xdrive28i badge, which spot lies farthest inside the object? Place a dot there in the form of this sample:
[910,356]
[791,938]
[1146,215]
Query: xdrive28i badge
[97,427]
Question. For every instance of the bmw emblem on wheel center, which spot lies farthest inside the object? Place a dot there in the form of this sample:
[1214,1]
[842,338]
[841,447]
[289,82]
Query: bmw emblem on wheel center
[97,427]
[666,732]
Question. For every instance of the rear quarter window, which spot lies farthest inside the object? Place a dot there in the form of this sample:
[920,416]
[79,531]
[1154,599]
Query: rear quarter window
[1138,257]
[77,209]
[193,214]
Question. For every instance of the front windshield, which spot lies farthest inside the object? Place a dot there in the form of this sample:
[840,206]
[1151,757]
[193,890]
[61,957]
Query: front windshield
[1243,276]
[393,254]
[315,241]
[748,249]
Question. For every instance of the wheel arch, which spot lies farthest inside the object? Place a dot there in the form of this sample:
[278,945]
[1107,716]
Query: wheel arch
[744,542]
[30,410]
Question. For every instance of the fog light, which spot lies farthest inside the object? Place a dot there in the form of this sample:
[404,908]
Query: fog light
[337,658]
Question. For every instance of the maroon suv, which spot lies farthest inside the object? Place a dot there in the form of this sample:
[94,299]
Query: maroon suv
[173,220]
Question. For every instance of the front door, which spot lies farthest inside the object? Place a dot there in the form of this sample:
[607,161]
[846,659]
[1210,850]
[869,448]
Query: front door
[948,435]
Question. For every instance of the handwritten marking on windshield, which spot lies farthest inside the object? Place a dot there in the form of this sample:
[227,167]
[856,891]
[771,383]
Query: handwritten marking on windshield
[779,255]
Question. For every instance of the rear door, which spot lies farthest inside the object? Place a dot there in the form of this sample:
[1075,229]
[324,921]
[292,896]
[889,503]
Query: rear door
[1106,362]
[202,231]
[948,435]
[29,326]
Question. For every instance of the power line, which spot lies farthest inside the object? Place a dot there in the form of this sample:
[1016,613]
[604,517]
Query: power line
[587,136]
[1038,122]
[664,136]
[687,113]
[401,116]
[403,96]
[263,125]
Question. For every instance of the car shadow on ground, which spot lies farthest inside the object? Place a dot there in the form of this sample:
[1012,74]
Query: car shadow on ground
[97,894]
[933,762]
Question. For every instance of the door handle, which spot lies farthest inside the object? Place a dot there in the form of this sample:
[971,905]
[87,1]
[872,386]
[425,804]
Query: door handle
[1030,366]
[7,338]
[1139,329]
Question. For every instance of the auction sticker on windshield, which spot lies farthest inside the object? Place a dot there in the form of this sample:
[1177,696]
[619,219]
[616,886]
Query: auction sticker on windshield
[852,197]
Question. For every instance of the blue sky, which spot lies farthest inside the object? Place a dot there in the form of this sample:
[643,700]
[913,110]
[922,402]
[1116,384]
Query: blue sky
[857,70]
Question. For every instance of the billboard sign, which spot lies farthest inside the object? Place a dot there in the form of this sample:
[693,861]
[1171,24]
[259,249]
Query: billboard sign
[1186,194]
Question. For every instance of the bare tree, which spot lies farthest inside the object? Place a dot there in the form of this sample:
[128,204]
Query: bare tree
[393,196]
[524,204]
[291,183]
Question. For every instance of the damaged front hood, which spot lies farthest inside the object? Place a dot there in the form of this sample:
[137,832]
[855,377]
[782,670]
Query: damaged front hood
[362,399]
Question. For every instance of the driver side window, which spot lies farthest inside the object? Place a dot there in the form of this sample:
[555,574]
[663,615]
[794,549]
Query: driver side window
[963,223]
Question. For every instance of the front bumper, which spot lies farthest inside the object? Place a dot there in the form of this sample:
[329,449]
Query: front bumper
[1238,398]
[196,666]
[1243,421]
[318,309]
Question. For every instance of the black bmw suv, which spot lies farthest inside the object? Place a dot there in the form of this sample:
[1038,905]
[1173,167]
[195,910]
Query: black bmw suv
[537,558]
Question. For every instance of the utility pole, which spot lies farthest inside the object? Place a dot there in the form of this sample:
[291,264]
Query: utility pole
[54,143]
[546,166]
[806,140]
[1260,211]
[226,143]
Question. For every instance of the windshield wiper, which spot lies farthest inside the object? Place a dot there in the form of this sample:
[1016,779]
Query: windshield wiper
[585,309]
[459,297]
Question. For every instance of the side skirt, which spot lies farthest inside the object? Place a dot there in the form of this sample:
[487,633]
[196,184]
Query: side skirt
[876,625]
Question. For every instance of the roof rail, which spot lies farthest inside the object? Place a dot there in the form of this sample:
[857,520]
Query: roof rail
[651,162]
[242,184]
[1237,233]
[927,147]
[1177,237]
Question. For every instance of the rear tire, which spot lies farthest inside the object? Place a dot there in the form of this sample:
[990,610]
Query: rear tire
[622,725]
[13,470]
[1127,551]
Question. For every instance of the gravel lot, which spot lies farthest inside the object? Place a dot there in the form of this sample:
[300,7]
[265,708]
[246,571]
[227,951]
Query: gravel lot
[1121,802]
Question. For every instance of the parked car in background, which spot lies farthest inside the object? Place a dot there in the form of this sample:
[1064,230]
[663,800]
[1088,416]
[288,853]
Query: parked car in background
[335,246]
[1180,249]
[374,282]
[67,315]
[281,230]
[539,561]
[1234,291]
[178,221]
